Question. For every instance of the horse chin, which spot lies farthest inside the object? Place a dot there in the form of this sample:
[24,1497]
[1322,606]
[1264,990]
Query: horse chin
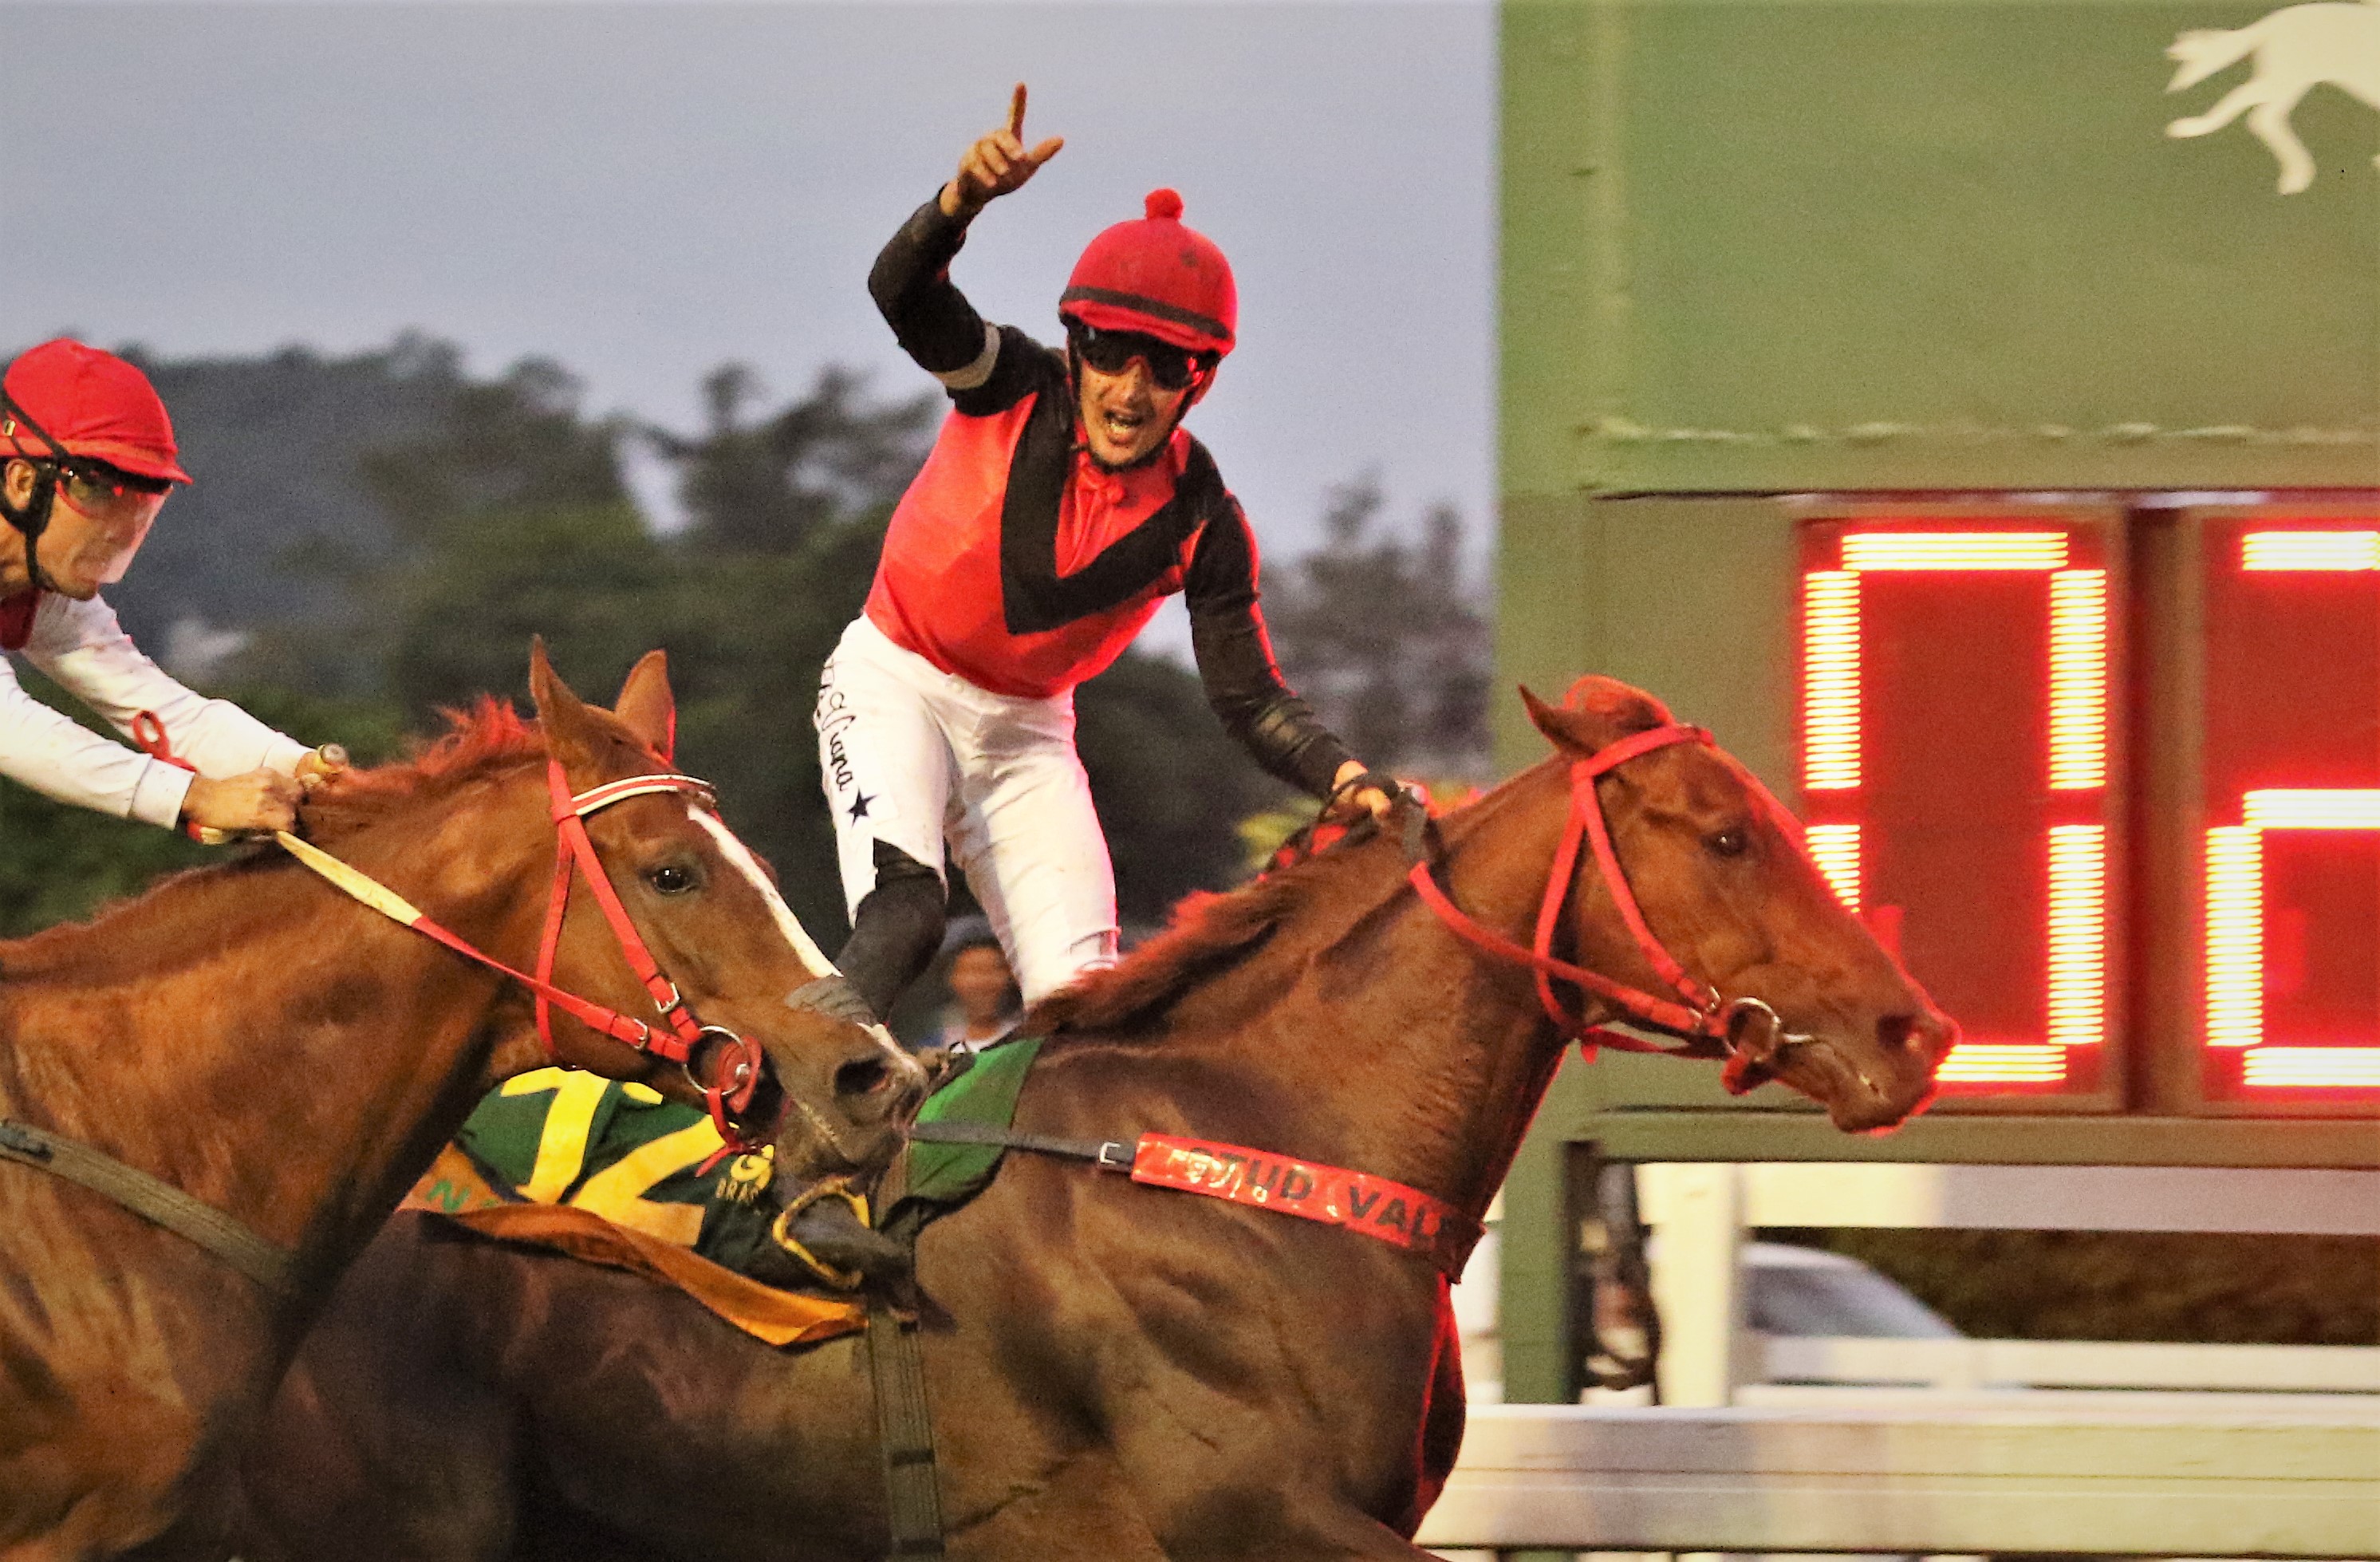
[1854,1102]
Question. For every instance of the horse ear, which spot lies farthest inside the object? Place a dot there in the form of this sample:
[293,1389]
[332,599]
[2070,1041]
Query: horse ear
[1597,713]
[648,707]
[569,728]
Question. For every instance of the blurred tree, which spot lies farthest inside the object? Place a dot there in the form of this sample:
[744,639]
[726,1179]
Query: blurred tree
[1386,638]
[764,487]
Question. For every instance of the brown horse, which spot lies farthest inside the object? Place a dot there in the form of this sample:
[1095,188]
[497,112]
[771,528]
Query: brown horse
[255,1038]
[1116,1373]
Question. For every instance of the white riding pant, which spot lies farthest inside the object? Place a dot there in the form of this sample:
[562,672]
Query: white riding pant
[917,757]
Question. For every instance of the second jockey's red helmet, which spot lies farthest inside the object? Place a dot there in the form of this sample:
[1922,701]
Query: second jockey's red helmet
[1159,277]
[90,403]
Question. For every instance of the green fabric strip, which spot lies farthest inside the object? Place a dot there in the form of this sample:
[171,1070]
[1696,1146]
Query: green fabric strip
[950,1174]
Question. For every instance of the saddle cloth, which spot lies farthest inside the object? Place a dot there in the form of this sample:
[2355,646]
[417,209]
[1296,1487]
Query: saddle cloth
[611,1173]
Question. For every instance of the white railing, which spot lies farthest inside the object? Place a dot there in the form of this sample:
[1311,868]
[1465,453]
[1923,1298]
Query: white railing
[2110,1479]
[1959,1364]
[1949,1446]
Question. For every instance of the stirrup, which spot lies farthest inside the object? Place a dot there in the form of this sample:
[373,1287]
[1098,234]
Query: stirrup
[781,1231]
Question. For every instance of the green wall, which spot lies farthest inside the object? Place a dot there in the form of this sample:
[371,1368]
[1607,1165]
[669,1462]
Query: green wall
[1918,244]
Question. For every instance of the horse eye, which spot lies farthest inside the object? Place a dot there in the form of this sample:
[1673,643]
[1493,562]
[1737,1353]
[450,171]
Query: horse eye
[671,878]
[1733,841]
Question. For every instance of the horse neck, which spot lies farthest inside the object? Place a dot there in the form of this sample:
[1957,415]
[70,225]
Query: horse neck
[1396,1048]
[277,1049]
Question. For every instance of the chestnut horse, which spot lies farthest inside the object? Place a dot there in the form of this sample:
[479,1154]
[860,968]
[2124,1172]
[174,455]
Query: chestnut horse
[1120,1374]
[254,1037]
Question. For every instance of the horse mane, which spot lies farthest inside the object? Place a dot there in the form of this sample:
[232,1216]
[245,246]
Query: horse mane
[1209,932]
[484,735]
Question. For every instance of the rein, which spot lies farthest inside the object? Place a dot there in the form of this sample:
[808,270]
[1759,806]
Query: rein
[575,853]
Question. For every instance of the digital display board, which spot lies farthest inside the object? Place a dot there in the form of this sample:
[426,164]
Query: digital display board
[1975,760]
[1956,673]
[2290,772]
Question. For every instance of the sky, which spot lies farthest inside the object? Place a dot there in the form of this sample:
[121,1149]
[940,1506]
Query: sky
[642,191]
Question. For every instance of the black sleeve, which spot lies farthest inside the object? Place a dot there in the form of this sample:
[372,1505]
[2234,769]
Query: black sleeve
[936,325]
[911,285]
[1235,663]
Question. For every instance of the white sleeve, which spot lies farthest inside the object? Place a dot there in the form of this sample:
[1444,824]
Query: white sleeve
[82,646]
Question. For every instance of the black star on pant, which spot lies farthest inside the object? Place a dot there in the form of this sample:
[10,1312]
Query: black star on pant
[859,807]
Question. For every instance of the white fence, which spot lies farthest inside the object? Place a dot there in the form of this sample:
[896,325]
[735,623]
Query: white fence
[1941,1446]
[1966,1478]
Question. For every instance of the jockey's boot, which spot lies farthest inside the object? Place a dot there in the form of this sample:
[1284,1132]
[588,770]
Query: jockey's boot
[894,933]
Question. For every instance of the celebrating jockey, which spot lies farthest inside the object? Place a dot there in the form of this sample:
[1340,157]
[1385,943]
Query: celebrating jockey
[87,460]
[1060,503]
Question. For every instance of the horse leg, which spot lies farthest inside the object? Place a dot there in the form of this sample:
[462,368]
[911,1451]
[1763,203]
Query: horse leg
[2269,122]
[380,1445]
[2233,104]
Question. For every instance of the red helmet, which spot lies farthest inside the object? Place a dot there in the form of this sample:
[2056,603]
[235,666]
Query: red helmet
[1158,278]
[90,403]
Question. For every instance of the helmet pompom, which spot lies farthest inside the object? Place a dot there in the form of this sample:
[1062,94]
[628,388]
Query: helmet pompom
[1163,205]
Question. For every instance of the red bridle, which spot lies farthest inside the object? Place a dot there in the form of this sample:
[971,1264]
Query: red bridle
[1701,1018]
[740,1071]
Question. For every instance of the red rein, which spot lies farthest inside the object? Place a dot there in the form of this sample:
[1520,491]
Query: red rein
[1697,1019]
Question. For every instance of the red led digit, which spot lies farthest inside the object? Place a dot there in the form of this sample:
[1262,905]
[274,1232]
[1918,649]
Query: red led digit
[1954,748]
[2292,862]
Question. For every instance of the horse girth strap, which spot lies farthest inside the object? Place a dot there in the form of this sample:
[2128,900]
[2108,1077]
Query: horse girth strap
[905,1432]
[275,1268]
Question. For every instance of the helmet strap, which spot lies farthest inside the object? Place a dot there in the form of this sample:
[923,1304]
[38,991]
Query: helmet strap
[34,518]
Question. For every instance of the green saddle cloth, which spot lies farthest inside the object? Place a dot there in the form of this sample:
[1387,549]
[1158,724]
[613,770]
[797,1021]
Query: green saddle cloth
[946,1176]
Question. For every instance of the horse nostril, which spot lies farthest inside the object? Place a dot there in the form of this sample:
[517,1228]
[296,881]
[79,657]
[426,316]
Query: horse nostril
[864,1076]
[1927,1039]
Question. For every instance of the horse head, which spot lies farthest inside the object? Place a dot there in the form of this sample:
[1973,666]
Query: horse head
[1796,988]
[837,1090]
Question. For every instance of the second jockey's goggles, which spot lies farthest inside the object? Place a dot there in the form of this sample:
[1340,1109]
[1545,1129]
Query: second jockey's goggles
[121,504]
[1111,352]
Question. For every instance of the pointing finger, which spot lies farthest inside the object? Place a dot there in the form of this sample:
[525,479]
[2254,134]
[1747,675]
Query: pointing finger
[1016,111]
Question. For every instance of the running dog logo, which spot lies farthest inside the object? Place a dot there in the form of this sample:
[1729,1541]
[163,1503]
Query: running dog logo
[2297,49]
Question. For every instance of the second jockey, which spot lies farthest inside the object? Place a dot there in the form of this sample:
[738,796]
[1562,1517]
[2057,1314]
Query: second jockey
[1062,501]
[87,460]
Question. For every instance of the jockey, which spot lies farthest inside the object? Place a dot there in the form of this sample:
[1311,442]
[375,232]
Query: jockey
[1062,501]
[87,460]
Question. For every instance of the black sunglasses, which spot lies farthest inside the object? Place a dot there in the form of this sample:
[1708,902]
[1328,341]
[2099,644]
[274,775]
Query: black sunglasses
[1111,352]
[90,483]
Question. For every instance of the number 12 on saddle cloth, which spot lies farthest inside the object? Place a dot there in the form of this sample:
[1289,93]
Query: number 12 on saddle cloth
[608,1172]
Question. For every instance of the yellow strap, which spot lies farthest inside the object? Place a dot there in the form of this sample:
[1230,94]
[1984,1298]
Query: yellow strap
[381,899]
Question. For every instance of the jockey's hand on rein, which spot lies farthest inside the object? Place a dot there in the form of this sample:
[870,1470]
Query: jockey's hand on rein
[259,802]
[1356,791]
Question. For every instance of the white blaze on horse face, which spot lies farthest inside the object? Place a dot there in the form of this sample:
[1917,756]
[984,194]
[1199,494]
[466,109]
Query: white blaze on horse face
[735,851]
